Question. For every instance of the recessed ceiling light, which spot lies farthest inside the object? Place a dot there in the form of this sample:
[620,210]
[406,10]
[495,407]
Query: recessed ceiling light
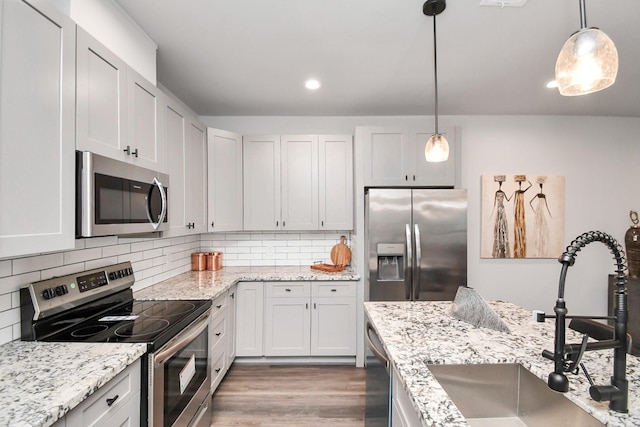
[312,84]
[552,84]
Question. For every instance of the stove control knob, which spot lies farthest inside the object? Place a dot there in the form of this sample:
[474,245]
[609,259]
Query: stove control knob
[49,293]
[120,273]
[61,290]
[112,276]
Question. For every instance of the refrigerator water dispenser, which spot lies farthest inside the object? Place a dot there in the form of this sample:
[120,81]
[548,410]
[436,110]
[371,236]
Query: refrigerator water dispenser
[390,261]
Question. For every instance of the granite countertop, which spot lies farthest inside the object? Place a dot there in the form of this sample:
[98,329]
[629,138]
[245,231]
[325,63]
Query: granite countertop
[415,334]
[211,284]
[40,382]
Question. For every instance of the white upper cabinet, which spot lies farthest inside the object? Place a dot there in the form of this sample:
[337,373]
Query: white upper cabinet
[261,183]
[196,177]
[101,99]
[37,128]
[395,157]
[186,153]
[299,181]
[119,112]
[145,114]
[335,190]
[224,180]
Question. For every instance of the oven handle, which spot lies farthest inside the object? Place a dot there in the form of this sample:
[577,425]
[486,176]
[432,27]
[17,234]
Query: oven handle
[183,338]
[163,196]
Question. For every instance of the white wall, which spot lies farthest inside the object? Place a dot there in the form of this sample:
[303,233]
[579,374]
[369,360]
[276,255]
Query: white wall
[599,157]
[106,21]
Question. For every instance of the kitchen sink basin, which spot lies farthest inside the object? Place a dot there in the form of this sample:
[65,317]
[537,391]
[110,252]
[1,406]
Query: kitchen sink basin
[507,395]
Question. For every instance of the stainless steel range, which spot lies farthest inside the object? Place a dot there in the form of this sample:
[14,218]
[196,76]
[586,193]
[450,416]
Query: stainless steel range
[98,306]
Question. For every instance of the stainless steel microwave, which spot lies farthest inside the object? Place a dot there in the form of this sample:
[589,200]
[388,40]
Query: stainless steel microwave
[118,198]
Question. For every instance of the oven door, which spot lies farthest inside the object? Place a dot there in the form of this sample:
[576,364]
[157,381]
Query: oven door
[180,379]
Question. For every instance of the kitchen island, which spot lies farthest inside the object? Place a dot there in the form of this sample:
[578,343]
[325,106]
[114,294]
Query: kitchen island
[417,334]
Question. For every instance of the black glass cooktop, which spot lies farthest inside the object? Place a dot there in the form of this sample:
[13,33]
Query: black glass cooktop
[151,322]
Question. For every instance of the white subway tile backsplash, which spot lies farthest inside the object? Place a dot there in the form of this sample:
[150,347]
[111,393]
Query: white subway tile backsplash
[141,246]
[152,253]
[15,299]
[108,251]
[132,257]
[99,263]
[14,283]
[5,302]
[5,268]
[9,317]
[6,335]
[98,242]
[74,257]
[39,262]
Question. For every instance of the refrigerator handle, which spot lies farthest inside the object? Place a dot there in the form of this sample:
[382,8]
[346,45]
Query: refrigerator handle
[416,274]
[408,265]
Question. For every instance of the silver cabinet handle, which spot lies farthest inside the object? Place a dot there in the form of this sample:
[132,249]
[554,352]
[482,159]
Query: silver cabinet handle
[416,277]
[163,196]
[408,264]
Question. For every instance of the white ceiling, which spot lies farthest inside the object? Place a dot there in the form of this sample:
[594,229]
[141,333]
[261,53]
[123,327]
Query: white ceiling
[375,57]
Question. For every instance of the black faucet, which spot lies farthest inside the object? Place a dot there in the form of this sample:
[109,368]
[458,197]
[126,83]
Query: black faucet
[567,357]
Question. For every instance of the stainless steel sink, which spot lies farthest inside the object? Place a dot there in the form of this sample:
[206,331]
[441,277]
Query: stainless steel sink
[507,395]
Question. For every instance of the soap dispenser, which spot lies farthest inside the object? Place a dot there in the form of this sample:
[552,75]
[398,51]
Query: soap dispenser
[632,246]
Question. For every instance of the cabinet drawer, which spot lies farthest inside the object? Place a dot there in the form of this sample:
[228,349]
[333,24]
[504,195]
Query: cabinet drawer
[218,329]
[288,289]
[217,369]
[329,289]
[218,305]
[96,409]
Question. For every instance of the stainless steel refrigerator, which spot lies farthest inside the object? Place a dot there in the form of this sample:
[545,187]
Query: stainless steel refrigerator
[416,243]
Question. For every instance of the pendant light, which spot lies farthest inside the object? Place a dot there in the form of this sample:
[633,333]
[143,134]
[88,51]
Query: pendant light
[437,148]
[588,61]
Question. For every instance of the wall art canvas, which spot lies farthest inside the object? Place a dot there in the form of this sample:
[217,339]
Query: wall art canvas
[522,216]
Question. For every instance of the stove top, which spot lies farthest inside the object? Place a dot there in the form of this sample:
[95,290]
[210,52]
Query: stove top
[151,322]
[98,306]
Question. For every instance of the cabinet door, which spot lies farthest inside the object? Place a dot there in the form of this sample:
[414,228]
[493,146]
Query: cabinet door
[175,129]
[261,182]
[37,128]
[287,327]
[299,175]
[231,325]
[335,182]
[249,319]
[438,173]
[145,111]
[196,177]
[101,99]
[333,326]
[225,180]
[385,158]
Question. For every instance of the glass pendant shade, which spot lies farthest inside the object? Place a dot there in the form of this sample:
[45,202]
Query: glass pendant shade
[437,149]
[588,62]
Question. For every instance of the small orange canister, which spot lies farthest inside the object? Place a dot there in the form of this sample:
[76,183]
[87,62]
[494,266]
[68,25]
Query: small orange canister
[214,261]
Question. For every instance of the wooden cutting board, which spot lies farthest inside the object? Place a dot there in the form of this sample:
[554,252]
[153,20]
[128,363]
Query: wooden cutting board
[340,253]
[327,268]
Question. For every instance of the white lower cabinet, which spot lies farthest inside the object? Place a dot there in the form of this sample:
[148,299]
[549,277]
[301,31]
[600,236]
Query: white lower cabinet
[218,342]
[117,403]
[231,324]
[403,414]
[249,319]
[310,319]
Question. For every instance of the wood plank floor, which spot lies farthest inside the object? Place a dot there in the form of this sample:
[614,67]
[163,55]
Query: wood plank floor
[301,396]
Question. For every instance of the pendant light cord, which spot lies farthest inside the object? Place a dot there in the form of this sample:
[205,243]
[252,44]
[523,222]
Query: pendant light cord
[435,69]
[583,16]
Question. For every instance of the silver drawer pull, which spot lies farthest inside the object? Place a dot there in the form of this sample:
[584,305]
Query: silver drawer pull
[287,289]
[112,400]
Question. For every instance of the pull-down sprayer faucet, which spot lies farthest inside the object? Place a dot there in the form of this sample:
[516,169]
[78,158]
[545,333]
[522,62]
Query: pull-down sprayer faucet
[567,357]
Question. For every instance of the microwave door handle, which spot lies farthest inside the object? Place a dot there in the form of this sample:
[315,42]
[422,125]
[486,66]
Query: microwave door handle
[418,261]
[408,266]
[163,197]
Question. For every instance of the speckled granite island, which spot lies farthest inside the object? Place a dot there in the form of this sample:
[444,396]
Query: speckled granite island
[416,334]
[41,382]
[211,284]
